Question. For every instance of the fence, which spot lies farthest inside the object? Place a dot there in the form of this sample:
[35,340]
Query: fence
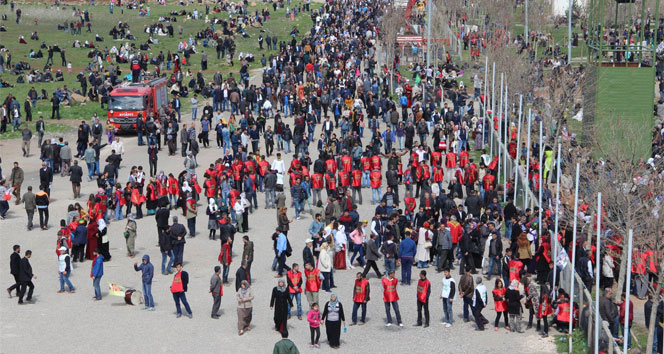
[582,295]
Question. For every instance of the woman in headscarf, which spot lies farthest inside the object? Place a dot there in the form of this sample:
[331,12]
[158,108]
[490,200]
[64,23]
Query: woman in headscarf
[130,235]
[245,214]
[244,307]
[213,224]
[513,297]
[103,240]
[279,302]
[333,315]
[325,265]
[92,239]
[340,246]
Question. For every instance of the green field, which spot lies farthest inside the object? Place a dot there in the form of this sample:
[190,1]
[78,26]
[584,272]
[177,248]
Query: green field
[102,21]
[625,97]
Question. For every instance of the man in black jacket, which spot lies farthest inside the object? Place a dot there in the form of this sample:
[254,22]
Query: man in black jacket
[165,246]
[242,274]
[14,269]
[25,278]
[307,253]
[46,178]
[76,176]
[177,233]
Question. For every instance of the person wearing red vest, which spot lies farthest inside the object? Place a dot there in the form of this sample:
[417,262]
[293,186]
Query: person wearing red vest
[173,190]
[410,206]
[423,292]
[331,183]
[376,180]
[545,309]
[515,266]
[391,297]
[500,303]
[178,289]
[360,297]
[488,181]
[438,177]
[312,283]
[436,158]
[344,179]
[450,160]
[331,165]
[356,184]
[263,167]
[316,186]
[562,315]
[346,163]
[294,279]
[366,170]
[375,162]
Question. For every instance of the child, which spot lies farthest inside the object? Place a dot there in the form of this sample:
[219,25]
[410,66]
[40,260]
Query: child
[69,67]
[313,317]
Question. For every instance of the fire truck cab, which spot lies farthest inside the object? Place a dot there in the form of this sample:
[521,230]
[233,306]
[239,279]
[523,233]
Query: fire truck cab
[130,100]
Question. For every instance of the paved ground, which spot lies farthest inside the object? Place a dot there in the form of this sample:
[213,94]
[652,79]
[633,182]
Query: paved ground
[75,322]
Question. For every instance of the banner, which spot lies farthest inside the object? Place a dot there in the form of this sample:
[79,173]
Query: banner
[116,290]
[562,260]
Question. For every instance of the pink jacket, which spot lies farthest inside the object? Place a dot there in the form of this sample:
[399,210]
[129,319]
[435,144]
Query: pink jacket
[356,237]
[314,318]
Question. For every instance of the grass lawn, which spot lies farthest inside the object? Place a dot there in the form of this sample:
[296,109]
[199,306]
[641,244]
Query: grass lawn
[625,95]
[102,21]
[578,342]
[51,128]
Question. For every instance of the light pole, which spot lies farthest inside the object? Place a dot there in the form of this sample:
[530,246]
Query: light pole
[569,32]
[424,91]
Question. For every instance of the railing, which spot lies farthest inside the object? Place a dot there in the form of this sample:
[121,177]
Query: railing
[582,295]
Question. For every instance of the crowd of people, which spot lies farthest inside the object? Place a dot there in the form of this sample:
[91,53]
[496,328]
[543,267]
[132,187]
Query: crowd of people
[437,204]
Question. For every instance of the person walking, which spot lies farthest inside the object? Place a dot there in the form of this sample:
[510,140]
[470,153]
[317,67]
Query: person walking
[25,277]
[30,203]
[372,256]
[177,233]
[312,283]
[245,296]
[76,177]
[15,269]
[42,201]
[333,315]
[147,273]
[294,279]
[242,274]
[280,301]
[479,302]
[514,309]
[130,235]
[448,295]
[248,251]
[179,289]
[407,251]
[466,291]
[166,249]
[64,268]
[190,212]
[78,240]
[361,292]
[325,265]
[15,181]
[217,291]
[314,319]
[391,298]
[423,292]
[97,272]
[285,345]
[26,135]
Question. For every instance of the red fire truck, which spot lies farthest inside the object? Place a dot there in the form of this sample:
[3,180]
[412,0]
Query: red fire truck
[129,100]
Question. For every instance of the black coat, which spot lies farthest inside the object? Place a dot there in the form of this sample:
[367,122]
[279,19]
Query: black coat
[308,256]
[76,174]
[25,273]
[240,275]
[15,264]
[45,175]
[513,298]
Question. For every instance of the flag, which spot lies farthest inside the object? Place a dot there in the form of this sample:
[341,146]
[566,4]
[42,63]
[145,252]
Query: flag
[116,290]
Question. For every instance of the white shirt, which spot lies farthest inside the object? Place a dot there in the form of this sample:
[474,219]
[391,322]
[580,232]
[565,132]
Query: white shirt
[279,166]
[118,146]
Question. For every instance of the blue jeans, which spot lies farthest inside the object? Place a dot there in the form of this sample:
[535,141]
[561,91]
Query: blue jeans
[181,296]
[178,252]
[287,146]
[164,268]
[118,211]
[298,298]
[493,262]
[64,278]
[147,295]
[91,170]
[140,138]
[95,284]
[299,206]
[357,305]
[191,224]
[406,267]
[358,249]
[194,113]
[467,303]
[376,195]
[326,281]
[508,229]
[366,181]
[447,310]
[395,305]
[390,264]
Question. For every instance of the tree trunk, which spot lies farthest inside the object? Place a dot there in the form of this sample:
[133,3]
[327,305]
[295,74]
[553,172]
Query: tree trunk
[653,324]
[623,269]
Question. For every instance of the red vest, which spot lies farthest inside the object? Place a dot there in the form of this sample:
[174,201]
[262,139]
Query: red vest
[436,158]
[515,267]
[360,294]
[296,165]
[344,179]
[262,167]
[346,163]
[237,171]
[176,286]
[423,289]
[438,174]
[456,230]
[366,164]
[250,166]
[161,187]
[651,261]
[331,181]
[313,280]
[210,188]
[357,178]
[294,279]
[390,290]
[173,186]
[450,160]
[500,305]
[426,172]
[463,158]
[375,162]
[488,181]
[458,174]
[331,165]
[545,308]
[317,181]
[410,204]
[471,172]
[638,263]
[376,179]
[563,312]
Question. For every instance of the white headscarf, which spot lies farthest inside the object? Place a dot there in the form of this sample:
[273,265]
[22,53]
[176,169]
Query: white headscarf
[185,187]
[212,204]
